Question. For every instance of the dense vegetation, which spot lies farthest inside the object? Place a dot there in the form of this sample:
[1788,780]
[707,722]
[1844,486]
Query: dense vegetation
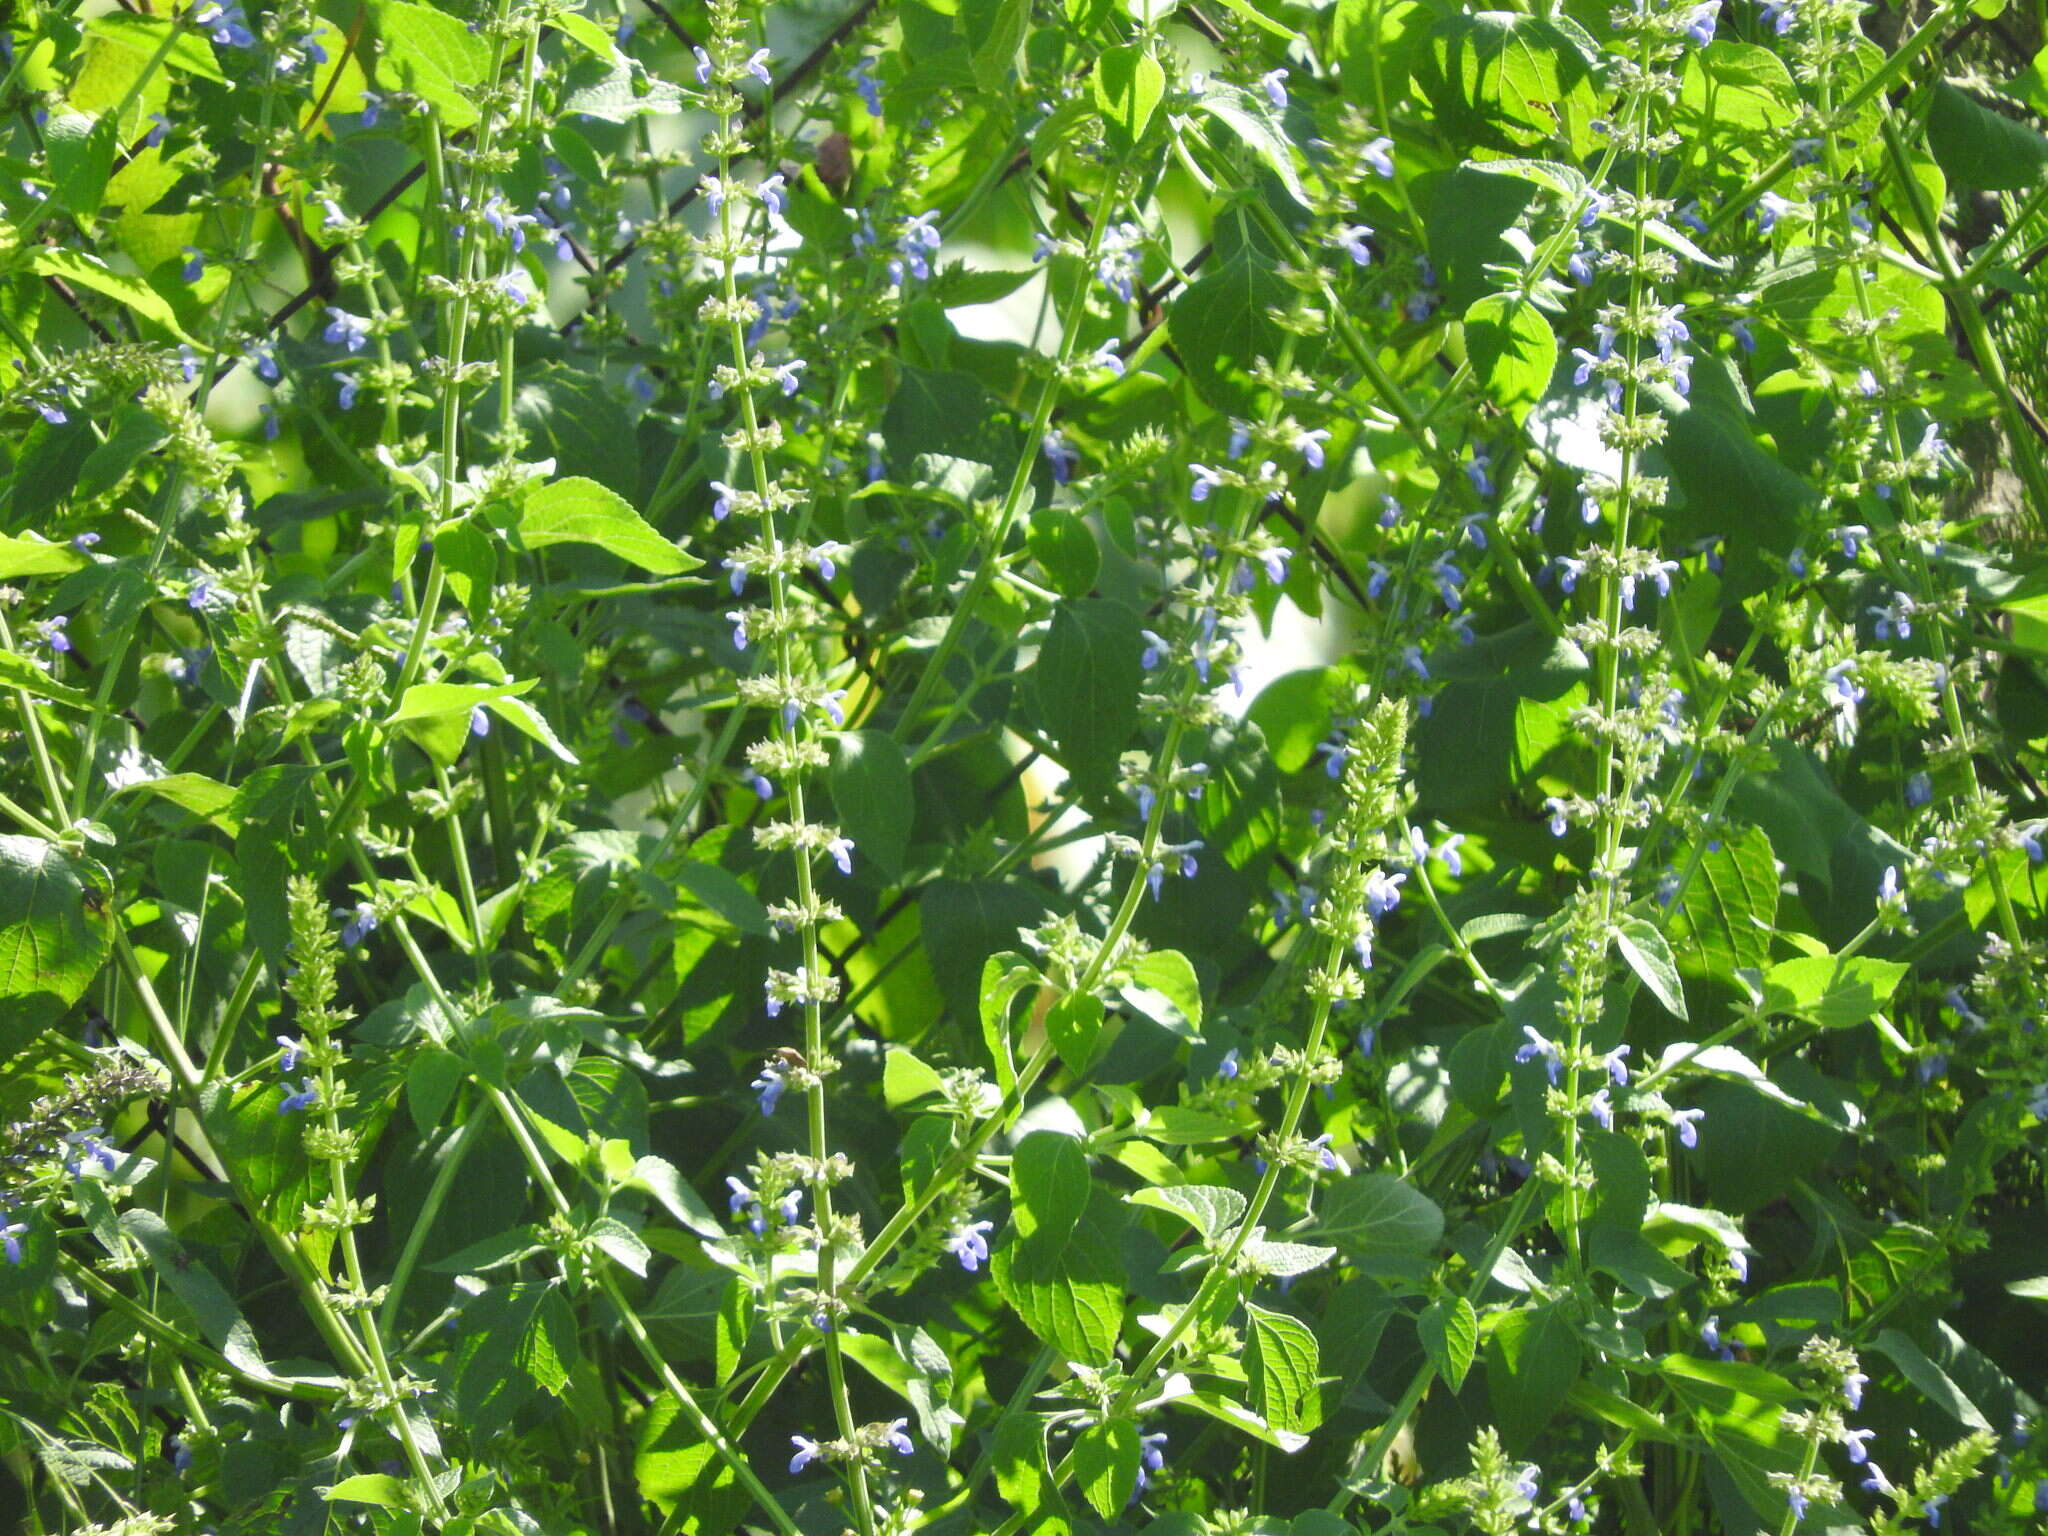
[1252,766]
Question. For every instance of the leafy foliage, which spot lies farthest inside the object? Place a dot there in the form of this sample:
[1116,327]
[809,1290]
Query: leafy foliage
[1212,768]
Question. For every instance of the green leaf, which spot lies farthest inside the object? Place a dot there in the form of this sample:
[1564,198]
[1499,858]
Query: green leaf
[1532,1360]
[379,1488]
[1224,322]
[1503,704]
[433,55]
[721,892]
[906,1078]
[658,1177]
[18,671]
[529,721]
[620,1243]
[27,556]
[1259,19]
[516,1343]
[1087,682]
[1072,1299]
[219,1319]
[1064,547]
[1649,956]
[580,511]
[575,418]
[1049,1184]
[1375,1217]
[1106,1465]
[1212,1209]
[623,94]
[872,796]
[1833,991]
[1164,988]
[1512,350]
[1003,977]
[430,1084]
[1450,1332]
[1505,79]
[1074,1025]
[87,271]
[1283,1367]
[2034,1288]
[1129,85]
[135,431]
[1251,119]
[1931,1380]
[190,51]
[208,799]
[437,716]
[56,930]
[81,149]
[1725,917]
[1979,148]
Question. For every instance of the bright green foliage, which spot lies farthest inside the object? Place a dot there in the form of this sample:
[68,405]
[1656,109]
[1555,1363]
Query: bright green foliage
[1023,767]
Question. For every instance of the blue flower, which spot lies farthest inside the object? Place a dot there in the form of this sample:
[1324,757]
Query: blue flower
[1227,1069]
[83,542]
[1930,1509]
[1617,1065]
[841,849]
[1374,153]
[897,1436]
[1527,1486]
[772,195]
[1352,238]
[1687,1121]
[1382,892]
[87,1144]
[345,329]
[967,1244]
[757,66]
[10,1238]
[1272,82]
[361,924]
[51,633]
[195,263]
[1601,1107]
[1853,1440]
[870,89]
[1796,1502]
[1538,1046]
[345,388]
[1739,1262]
[769,1086]
[703,70]
[807,1451]
[1206,480]
[305,1098]
[1150,1459]
[289,1053]
[1852,1388]
[1699,22]
[479,720]
[1309,445]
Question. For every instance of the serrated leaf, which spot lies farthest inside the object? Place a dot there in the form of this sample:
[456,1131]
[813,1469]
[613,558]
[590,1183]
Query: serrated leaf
[1049,1186]
[1649,956]
[658,1177]
[1106,1465]
[1450,1332]
[1164,988]
[378,1488]
[56,930]
[872,796]
[1129,85]
[1833,991]
[1513,351]
[434,56]
[1212,1209]
[1375,1216]
[581,511]
[1283,1365]
[219,1319]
